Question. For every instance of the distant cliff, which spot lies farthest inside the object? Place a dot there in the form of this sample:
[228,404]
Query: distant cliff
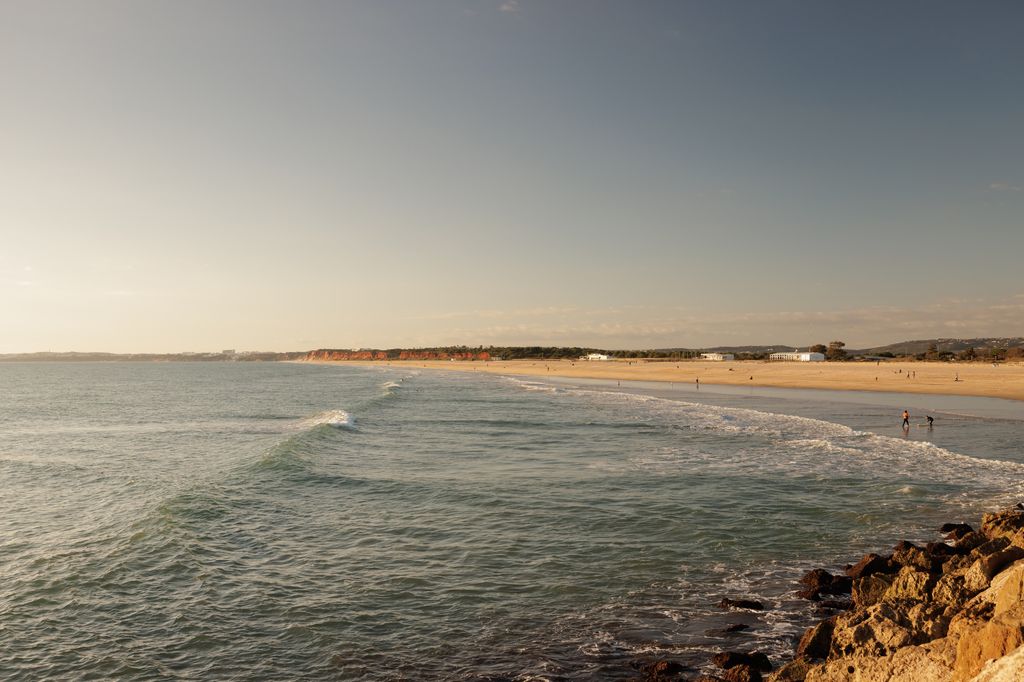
[424,354]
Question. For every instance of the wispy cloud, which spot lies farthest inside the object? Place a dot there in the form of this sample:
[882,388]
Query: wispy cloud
[509,6]
[1005,187]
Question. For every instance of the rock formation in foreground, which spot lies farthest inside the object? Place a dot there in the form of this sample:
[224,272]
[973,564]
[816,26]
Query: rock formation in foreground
[943,612]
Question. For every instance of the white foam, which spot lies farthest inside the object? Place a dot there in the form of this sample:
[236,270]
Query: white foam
[825,447]
[338,419]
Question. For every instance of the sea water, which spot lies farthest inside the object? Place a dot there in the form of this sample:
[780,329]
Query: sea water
[266,521]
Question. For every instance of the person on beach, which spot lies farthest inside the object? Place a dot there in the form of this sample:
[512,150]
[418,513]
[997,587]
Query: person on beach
[930,420]
[698,382]
[906,419]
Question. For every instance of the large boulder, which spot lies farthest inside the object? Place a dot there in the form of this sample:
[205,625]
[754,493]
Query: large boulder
[981,572]
[930,662]
[820,581]
[885,627]
[794,671]
[906,553]
[1005,669]
[955,531]
[731,659]
[749,604]
[951,591]
[817,640]
[742,673]
[911,584]
[870,589]
[869,565]
[1007,588]
[1004,523]
[988,640]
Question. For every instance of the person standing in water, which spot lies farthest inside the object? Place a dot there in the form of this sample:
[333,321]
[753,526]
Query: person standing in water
[930,420]
[906,419]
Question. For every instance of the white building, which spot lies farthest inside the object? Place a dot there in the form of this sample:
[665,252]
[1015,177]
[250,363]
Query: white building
[798,357]
[718,357]
[595,357]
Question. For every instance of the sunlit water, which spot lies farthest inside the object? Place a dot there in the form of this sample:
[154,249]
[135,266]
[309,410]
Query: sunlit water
[286,521]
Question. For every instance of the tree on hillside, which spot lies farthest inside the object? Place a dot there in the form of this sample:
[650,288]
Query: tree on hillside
[968,354]
[819,348]
[835,351]
[933,352]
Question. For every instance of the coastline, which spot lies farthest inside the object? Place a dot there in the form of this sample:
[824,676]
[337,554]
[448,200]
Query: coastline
[1004,381]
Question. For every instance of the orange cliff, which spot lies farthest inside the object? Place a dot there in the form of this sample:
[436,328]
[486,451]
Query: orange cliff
[344,355]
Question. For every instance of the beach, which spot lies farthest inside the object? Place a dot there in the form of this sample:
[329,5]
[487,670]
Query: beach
[930,378]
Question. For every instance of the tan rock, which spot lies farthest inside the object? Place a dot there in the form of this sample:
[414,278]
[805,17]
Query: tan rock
[869,590]
[950,591]
[911,584]
[927,663]
[988,640]
[979,575]
[1004,523]
[885,627]
[794,671]
[1007,588]
[1009,668]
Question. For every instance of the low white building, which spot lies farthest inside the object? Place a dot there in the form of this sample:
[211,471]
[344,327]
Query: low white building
[595,357]
[718,357]
[798,357]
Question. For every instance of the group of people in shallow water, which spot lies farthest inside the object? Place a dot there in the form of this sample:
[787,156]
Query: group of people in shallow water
[906,420]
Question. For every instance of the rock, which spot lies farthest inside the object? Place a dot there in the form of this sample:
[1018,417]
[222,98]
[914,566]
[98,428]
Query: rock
[941,551]
[988,640]
[729,629]
[980,574]
[955,531]
[821,581]
[951,591]
[794,671]
[989,547]
[1007,589]
[816,641]
[911,584]
[742,673]
[1006,669]
[741,604]
[731,659]
[662,670]
[827,605]
[883,628]
[970,541]
[909,554]
[1004,523]
[910,664]
[869,590]
[869,565]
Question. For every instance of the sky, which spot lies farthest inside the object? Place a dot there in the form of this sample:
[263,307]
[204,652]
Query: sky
[190,176]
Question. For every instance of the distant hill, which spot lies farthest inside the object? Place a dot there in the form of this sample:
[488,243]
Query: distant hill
[943,345]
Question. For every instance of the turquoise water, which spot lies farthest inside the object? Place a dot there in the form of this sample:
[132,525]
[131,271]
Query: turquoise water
[285,521]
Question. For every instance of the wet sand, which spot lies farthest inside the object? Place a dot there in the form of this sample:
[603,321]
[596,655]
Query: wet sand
[936,378]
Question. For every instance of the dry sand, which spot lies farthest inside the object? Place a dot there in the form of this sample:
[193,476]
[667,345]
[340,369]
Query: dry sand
[976,379]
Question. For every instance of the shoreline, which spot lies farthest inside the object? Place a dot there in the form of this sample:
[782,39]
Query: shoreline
[1005,381]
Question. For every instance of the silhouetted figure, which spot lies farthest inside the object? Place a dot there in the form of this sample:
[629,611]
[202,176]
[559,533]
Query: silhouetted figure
[930,421]
[906,419]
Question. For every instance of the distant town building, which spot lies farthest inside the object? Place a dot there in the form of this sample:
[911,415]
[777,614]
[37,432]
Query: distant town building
[718,357]
[595,357]
[798,357]
[228,351]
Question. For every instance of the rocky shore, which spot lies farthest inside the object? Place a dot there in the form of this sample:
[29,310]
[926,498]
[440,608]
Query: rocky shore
[945,611]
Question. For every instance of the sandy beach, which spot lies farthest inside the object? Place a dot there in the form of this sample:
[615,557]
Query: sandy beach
[975,379]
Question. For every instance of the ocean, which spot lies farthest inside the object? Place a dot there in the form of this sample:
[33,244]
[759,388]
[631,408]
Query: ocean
[276,521]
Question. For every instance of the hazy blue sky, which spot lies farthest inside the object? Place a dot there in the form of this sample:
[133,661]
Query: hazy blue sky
[290,175]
